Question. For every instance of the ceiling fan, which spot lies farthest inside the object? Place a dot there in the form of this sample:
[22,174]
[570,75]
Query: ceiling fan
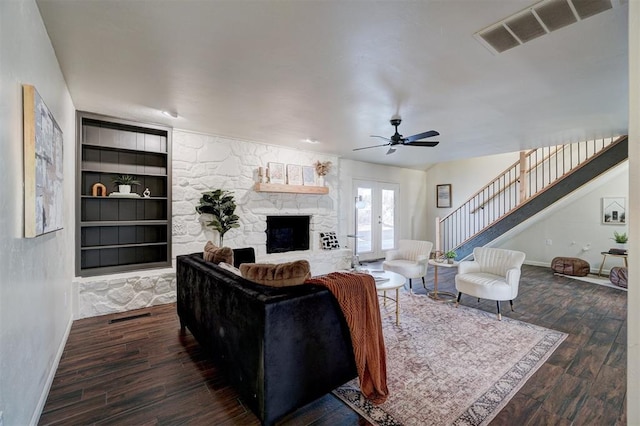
[398,139]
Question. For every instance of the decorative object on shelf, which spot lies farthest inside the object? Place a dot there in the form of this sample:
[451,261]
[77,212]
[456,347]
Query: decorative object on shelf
[261,175]
[146,193]
[451,256]
[124,195]
[438,256]
[621,240]
[322,169]
[294,174]
[221,205]
[276,173]
[308,176]
[329,241]
[443,196]
[614,211]
[98,190]
[124,183]
[43,174]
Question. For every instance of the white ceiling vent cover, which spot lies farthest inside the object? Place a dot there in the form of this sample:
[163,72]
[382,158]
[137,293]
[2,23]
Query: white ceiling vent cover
[538,20]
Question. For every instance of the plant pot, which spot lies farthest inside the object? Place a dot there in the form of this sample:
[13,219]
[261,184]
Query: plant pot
[124,189]
[450,261]
[320,180]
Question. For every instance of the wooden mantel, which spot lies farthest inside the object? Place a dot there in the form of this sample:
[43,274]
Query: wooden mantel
[292,189]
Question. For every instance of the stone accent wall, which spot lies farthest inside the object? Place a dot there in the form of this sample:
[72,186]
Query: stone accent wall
[204,163]
[124,292]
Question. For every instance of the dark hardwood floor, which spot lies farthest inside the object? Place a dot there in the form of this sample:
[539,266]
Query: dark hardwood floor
[144,372]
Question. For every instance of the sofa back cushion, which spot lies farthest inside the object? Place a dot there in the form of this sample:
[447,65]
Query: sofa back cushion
[215,254]
[278,275]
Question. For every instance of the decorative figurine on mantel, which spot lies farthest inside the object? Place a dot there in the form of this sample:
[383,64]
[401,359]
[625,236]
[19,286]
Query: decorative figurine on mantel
[146,193]
[322,169]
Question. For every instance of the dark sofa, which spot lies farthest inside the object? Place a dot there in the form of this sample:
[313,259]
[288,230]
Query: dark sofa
[281,347]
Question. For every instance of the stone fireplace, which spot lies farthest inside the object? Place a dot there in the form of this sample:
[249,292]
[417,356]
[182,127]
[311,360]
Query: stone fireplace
[287,233]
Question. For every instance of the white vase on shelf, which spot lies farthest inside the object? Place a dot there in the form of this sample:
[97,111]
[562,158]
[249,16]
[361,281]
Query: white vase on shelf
[320,180]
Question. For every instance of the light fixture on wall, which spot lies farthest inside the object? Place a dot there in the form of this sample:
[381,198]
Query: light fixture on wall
[358,204]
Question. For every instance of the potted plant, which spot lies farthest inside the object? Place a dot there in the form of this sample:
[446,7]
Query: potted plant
[221,205]
[620,238]
[322,168]
[450,255]
[124,182]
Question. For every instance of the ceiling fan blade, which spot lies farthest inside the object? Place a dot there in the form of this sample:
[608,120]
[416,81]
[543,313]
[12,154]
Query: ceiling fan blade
[391,150]
[428,134]
[381,137]
[422,143]
[374,146]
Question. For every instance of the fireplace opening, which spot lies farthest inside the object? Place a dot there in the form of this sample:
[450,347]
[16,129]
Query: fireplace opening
[287,233]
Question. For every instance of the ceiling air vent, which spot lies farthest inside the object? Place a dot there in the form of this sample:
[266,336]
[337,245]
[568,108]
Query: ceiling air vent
[500,39]
[526,27]
[555,14]
[538,20]
[586,8]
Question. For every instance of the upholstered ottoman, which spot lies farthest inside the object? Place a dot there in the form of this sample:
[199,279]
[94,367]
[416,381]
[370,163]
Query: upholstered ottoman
[618,276]
[570,266]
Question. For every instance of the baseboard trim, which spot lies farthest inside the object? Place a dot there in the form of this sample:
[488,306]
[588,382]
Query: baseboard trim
[52,374]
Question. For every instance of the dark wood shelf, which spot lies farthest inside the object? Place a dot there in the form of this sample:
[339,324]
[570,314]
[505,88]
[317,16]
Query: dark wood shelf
[123,246]
[122,198]
[117,234]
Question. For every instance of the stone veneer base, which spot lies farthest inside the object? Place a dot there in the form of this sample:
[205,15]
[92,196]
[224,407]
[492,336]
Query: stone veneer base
[110,294]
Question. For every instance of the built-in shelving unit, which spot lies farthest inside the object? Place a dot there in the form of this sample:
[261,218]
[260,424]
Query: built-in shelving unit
[293,189]
[116,234]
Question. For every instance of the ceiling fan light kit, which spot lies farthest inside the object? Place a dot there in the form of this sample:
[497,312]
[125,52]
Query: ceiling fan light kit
[398,139]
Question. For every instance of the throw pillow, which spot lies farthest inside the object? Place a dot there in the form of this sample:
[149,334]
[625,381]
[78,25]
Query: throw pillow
[280,275]
[230,268]
[215,254]
[329,240]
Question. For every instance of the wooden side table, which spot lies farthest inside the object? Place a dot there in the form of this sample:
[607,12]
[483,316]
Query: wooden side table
[604,258]
[443,296]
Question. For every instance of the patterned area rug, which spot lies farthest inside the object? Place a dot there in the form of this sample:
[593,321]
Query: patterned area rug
[448,366]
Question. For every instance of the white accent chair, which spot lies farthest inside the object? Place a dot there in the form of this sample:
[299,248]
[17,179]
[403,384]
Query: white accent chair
[410,259]
[494,274]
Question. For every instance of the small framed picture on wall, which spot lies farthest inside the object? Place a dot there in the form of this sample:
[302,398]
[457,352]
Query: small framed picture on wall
[294,174]
[443,195]
[276,173]
[614,211]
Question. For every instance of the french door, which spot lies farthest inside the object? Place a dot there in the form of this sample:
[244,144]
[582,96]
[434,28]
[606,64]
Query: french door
[375,206]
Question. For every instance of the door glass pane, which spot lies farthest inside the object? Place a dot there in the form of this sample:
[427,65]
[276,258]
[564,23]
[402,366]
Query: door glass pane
[363,228]
[388,219]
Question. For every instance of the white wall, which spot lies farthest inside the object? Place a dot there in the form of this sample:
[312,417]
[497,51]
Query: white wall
[575,225]
[413,197]
[466,178]
[35,274]
[633,299]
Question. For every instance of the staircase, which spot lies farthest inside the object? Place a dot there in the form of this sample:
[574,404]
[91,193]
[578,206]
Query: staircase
[540,178]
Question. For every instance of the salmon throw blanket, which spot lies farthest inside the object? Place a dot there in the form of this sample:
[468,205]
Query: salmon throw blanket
[358,299]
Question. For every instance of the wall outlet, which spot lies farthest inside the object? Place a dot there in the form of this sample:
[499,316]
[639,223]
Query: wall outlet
[549,241]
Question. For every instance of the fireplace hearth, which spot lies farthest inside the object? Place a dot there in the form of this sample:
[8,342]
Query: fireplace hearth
[287,233]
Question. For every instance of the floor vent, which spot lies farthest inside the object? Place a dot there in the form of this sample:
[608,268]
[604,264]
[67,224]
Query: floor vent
[538,20]
[129,318]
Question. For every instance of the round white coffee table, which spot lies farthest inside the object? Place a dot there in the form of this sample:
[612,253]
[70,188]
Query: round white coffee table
[386,281]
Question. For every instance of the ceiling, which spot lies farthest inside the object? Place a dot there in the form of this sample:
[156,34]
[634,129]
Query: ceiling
[280,72]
